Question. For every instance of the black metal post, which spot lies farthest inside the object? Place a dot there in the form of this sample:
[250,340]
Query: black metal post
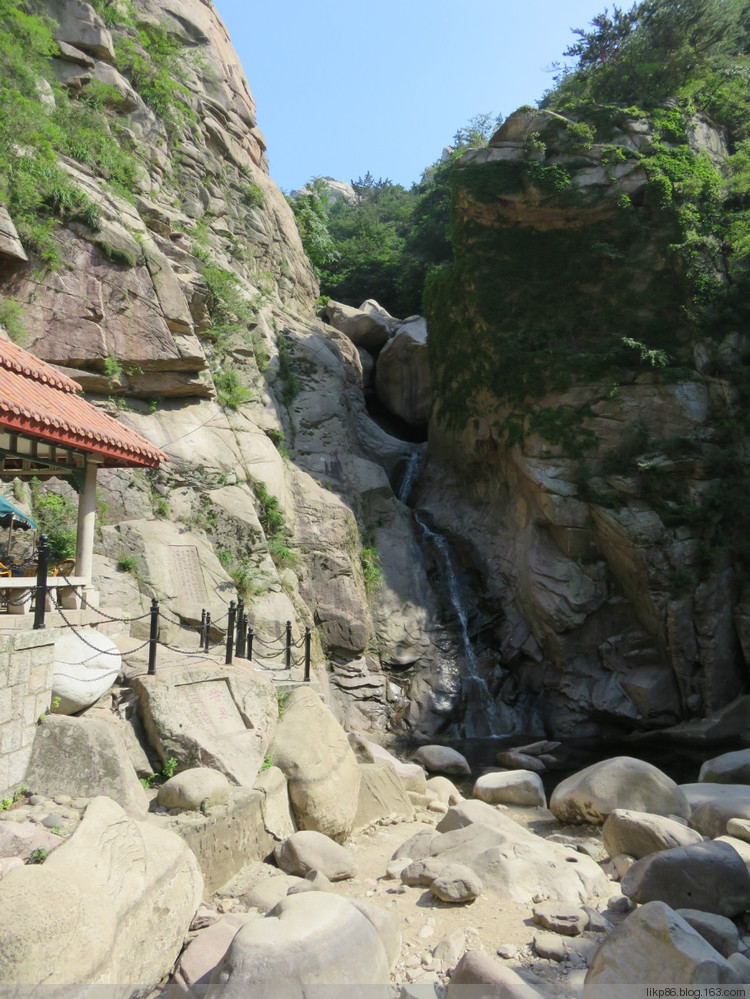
[153,635]
[240,629]
[207,631]
[230,633]
[41,583]
[203,627]
[289,645]
[250,637]
[242,636]
[307,655]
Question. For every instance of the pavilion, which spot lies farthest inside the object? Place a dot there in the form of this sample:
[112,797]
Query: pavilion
[47,429]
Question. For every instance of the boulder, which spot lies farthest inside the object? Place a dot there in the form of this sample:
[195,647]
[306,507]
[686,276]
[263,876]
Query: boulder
[402,375]
[515,787]
[442,759]
[381,793]
[456,883]
[443,790]
[312,750]
[365,329]
[478,968]
[10,244]
[412,776]
[194,789]
[199,959]
[277,815]
[84,757]
[312,881]
[21,839]
[511,861]
[118,899]
[422,872]
[655,944]
[210,716]
[386,923]
[729,768]
[314,938]
[640,833]
[623,782]
[719,931]
[709,876]
[309,850]
[82,674]
[739,829]
[266,894]
[713,805]
[570,920]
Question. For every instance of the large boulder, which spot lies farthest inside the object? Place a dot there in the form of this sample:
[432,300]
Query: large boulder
[655,944]
[713,805]
[313,938]
[210,716]
[710,876]
[381,793]
[84,757]
[312,750]
[307,850]
[442,759]
[110,906]
[478,968]
[365,329]
[412,775]
[729,768]
[513,787]
[510,861]
[194,789]
[639,833]
[623,782]
[402,375]
[86,665]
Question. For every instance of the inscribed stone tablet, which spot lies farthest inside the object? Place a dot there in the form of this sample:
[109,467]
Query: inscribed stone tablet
[188,574]
[209,706]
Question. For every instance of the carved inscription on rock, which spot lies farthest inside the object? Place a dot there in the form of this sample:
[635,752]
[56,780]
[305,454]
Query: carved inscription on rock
[188,574]
[209,707]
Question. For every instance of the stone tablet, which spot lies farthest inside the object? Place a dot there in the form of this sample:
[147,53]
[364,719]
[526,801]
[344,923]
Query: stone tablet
[186,569]
[209,703]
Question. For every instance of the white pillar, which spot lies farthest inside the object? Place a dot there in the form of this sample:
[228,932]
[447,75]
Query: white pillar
[86,523]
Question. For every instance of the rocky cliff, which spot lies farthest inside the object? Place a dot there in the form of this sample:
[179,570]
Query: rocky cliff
[596,416]
[168,278]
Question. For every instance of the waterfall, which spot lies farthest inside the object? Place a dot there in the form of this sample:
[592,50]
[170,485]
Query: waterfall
[480,707]
[412,470]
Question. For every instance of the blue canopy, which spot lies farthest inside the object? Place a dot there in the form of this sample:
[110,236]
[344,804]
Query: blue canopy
[10,514]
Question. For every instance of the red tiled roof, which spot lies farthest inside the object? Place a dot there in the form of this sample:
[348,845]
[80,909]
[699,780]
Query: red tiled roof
[40,402]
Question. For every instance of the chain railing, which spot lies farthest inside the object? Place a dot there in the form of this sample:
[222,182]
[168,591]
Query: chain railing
[241,639]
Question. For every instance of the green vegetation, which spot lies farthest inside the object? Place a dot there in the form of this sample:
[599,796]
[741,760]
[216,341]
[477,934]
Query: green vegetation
[272,521]
[369,560]
[57,516]
[382,243]
[11,317]
[248,579]
[169,770]
[37,856]
[231,393]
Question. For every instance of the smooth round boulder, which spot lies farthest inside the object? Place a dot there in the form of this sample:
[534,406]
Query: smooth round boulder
[87,664]
[194,789]
[456,883]
[655,944]
[514,787]
[590,795]
[639,833]
[729,768]
[312,881]
[308,850]
[720,931]
[315,938]
[442,759]
[442,789]
[709,876]
[478,968]
[713,805]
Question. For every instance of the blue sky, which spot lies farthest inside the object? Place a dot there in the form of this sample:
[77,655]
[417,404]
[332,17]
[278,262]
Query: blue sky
[346,87]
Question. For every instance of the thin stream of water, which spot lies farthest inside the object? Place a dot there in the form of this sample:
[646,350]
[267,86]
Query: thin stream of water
[409,476]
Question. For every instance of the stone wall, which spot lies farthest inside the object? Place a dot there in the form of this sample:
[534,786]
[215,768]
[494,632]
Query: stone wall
[26,661]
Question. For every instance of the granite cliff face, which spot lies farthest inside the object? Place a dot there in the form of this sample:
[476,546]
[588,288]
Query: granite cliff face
[600,466]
